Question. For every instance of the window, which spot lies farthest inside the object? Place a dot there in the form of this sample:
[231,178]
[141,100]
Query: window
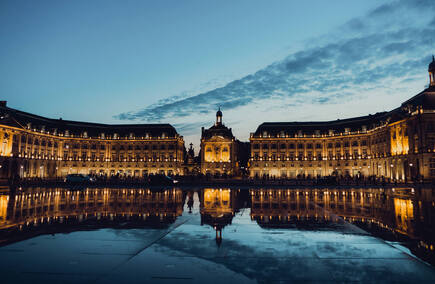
[208,149]
[337,145]
[256,146]
[318,146]
[300,146]
[355,143]
[309,146]
[265,146]
[432,166]
[273,146]
[283,146]
[291,146]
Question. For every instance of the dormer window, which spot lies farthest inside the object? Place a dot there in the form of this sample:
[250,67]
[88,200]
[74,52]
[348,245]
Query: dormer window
[102,136]
[330,132]
[364,128]
[66,133]
[347,130]
[300,133]
[147,135]
[264,133]
[317,133]
[163,135]
[131,135]
[85,134]
[115,135]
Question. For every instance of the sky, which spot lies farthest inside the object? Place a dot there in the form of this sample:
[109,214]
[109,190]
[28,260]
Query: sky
[178,61]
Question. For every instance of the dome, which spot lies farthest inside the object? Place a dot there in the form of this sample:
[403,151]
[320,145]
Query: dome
[219,113]
[432,65]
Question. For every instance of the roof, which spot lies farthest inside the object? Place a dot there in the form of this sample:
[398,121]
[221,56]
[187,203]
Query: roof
[218,130]
[20,119]
[425,100]
[339,125]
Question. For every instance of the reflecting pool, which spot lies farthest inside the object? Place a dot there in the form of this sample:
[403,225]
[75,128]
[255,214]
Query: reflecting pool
[195,235]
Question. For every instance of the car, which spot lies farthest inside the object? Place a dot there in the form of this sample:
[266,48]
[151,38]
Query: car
[77,178]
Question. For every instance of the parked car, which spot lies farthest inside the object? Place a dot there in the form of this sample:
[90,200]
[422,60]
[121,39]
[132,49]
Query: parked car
[78,178]
[161,180]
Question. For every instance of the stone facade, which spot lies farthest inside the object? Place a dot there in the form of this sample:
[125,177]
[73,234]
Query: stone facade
[398,145]
[34,146]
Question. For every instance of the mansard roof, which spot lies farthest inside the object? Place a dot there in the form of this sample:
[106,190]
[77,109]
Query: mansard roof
[424,100]
[20,119]
[310,128]
[218,130]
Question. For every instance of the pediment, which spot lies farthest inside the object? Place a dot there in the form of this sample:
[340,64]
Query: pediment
[218,138]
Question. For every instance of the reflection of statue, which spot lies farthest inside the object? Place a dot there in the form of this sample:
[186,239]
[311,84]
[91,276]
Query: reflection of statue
[190,201]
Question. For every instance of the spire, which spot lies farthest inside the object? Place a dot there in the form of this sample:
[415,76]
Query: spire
[431,70]
[219,117]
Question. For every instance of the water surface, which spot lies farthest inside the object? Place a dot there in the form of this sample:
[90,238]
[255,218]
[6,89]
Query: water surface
[217,234]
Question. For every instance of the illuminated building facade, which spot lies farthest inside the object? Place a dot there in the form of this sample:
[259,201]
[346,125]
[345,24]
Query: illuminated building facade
[35,146]
[218,149]
[398,145]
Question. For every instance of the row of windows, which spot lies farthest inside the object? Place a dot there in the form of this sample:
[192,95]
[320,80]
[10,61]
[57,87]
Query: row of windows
[103,147]
[49,143]
[308,145]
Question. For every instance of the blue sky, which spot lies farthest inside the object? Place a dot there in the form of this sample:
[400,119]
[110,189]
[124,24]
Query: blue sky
[177,61]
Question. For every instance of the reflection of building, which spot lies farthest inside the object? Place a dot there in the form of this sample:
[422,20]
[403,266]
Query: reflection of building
[218,149]
[35,146]
[217,208]
[402,210]
[399,144]
[104,207]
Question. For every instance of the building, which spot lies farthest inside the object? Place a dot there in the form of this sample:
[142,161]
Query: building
[218,149]
[35,146]
[398,145]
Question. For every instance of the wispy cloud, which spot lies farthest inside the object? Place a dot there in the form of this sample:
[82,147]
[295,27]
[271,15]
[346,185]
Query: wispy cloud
[378,52]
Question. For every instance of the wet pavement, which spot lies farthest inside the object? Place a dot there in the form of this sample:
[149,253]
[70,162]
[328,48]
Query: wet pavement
[215,236]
